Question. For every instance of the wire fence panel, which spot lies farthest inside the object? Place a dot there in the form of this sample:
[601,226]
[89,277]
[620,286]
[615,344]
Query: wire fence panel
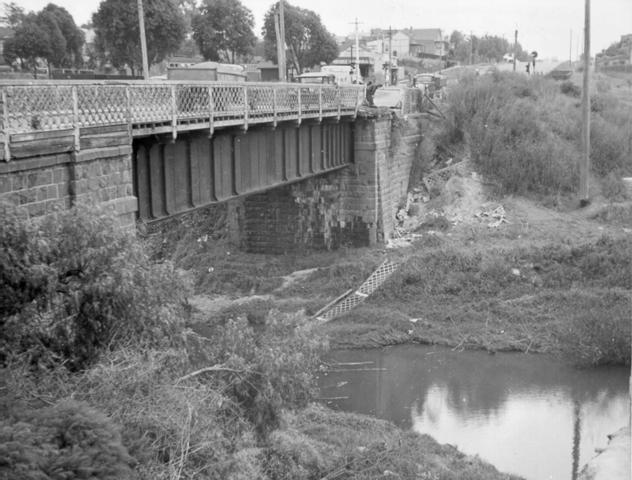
[370,285]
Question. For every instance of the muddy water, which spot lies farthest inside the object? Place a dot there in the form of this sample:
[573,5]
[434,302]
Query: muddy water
[525,414]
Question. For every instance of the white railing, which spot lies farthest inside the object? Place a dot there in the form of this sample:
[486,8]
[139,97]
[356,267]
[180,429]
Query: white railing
[152,107]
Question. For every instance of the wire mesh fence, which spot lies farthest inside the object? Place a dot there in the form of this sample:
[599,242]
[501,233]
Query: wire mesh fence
[354,298]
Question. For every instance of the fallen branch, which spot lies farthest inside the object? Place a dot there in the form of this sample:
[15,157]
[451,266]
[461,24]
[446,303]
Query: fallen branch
[214,368]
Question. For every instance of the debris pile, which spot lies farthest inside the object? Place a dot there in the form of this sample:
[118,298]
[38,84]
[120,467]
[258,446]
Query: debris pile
[448,197]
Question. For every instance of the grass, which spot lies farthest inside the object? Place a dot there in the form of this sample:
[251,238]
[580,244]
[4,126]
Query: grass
[552,298]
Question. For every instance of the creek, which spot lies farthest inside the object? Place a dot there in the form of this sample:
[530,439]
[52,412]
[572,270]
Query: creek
[530,415]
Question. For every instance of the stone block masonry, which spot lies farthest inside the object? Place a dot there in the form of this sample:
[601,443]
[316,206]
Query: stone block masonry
[386,146]
[44,184]
[355,205]
[309,214]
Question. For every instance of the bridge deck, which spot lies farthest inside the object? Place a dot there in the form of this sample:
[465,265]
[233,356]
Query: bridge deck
[56,110]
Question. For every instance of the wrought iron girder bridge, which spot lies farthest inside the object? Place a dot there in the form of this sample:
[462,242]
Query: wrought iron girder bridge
[66,109]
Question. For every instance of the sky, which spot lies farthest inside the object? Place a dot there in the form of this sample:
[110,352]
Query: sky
[553,28]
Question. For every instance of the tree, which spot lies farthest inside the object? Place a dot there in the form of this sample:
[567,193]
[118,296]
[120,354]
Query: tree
[60,19]
[13,15]
[117,36]
[489,48]
[307,39]
[50,35]
[188,9]
[30,42]
[223,30]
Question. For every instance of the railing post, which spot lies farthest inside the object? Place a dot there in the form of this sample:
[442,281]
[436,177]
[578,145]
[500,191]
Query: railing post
[174,113]
[320,103]
[128,107]
[274,107]
[339,98]
[5,127]
[75,117]
[300,106]
[246,108]
[360,95]
[211,112]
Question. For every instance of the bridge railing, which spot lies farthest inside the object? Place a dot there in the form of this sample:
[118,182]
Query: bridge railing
[152,107]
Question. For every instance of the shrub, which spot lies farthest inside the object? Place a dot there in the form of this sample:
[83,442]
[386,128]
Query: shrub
[68,440]
[268,369]
[613,188]
[599,333]
[22,276]
[87,286]
[569,88]
[608,147]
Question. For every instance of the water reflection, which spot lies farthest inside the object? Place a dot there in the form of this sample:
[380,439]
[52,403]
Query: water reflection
[527,415]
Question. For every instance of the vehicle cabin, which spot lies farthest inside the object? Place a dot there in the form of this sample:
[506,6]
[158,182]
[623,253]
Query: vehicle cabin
[317,77]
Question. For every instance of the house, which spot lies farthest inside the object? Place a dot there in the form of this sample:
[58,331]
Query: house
[400,44]
[262,72]
[366,59]
[427,43]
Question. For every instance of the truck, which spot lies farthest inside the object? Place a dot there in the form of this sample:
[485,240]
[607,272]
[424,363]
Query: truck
[341,72]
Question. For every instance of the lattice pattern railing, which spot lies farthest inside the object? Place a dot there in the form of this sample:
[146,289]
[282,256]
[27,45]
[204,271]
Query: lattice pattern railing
[102,105]
[28,108]
[159,107]
[377,278]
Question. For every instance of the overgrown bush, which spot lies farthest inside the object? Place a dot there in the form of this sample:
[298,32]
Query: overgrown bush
[569,88]
[68,440]
[592,338]
[267,368]
[80,285]
[525,135]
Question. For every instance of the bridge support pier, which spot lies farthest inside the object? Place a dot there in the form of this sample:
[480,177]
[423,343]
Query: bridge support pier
[354,205]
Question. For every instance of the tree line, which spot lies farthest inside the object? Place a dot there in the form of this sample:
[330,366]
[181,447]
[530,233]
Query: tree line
[486,48]
[222,30]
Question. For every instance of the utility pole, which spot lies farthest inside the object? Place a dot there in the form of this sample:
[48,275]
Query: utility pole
[515,49]
[143,40]
[357,53]
[570,52]
[390,54]
[279,46]
[584,167]
[283,63]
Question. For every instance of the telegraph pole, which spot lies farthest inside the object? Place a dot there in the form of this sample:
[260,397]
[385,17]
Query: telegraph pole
[283,61]
[357,48]
[584,167]
[143,40]
[570,51]
[390,54]
[515,49]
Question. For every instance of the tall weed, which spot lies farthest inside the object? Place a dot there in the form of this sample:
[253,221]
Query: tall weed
[525,134]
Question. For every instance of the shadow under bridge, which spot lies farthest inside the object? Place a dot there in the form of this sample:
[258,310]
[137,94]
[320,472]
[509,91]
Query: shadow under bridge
[174,176]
